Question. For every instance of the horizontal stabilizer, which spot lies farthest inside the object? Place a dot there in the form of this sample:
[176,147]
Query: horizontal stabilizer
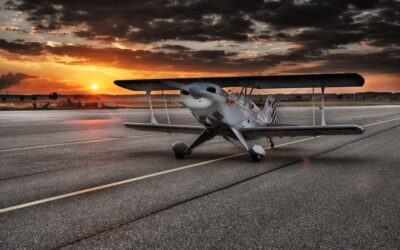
[258,82]
[280,131]
[166,128]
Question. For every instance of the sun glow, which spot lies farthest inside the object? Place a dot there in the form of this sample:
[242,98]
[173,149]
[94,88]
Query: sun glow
[94,86]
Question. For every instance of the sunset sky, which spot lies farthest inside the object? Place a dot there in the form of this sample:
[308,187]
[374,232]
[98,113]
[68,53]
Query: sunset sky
[69,45]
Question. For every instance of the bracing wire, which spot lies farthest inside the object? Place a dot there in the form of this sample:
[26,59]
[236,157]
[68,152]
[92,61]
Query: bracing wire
[283,103]
[166,108]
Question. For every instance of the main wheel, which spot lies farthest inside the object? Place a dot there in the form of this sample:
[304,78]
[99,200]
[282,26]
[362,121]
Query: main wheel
[256,152]
[179,149]
[256,157]
[179,156]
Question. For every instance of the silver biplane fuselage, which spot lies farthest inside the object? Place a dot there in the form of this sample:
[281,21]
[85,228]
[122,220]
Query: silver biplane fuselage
[236,111]
[226,114]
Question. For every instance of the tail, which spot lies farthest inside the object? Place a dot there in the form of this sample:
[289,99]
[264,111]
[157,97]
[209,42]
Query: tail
[270,110]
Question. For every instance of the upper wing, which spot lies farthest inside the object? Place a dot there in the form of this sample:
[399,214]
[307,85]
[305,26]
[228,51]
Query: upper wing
[259,82]
[166,128]
[302,130]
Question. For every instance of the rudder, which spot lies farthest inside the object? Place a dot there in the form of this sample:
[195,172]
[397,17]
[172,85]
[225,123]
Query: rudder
[270,109]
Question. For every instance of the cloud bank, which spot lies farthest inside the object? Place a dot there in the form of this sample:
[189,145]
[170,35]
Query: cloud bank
[10,79]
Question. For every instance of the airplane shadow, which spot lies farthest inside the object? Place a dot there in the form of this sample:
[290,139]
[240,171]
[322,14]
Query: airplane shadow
[321,158]
[277,155]
[337,161]
[194,156]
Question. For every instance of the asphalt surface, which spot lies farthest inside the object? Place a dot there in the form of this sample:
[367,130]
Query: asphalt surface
[79,180]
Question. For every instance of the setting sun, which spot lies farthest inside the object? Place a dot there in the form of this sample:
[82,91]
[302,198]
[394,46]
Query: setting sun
[94,87]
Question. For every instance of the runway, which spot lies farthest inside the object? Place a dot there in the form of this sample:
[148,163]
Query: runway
[79,179]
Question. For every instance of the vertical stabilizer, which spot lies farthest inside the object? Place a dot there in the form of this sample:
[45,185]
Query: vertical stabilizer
[270,110]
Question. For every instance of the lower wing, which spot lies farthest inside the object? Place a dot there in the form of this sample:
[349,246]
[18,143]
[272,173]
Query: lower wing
[166,128]
[281,131]
[275,131]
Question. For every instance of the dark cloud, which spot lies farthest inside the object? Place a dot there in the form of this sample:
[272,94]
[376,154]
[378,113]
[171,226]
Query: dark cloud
[319,39]
[10,79]
[316,27]
[179,59]
[173,47]
[386,61]
[142,21]
[212,54]
[209,20]
[21,47]
[328,24]
[10,5]
[176,60]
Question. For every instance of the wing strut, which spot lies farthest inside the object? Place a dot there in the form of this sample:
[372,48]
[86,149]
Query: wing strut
[153,118]
[206,135]
[313,107]
[323,123]
[166,108]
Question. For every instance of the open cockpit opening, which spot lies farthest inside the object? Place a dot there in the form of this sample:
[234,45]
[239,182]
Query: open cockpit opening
[211,89]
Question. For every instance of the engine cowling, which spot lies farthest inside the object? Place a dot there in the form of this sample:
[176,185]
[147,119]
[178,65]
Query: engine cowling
[199,96]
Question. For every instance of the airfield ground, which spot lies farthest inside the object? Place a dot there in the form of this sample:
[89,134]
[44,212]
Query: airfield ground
[78,179]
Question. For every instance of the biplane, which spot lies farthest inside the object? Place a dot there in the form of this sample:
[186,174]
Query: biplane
[235,116]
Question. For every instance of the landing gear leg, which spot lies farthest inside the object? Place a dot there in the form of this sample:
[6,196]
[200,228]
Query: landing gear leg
[181,149]
[271,141]
[256,152]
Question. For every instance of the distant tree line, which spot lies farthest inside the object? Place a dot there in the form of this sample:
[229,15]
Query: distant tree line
[53,96]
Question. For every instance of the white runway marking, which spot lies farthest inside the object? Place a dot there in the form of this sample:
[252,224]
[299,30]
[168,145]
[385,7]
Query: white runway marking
[73,143]
[117,138]
[376,123]
[113,184]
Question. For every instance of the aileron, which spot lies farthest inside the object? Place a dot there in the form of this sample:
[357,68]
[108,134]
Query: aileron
[165,128]
[281,131]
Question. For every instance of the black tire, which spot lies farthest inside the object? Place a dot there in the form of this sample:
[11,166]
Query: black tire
[179,156]
[179,149]
[256,157]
